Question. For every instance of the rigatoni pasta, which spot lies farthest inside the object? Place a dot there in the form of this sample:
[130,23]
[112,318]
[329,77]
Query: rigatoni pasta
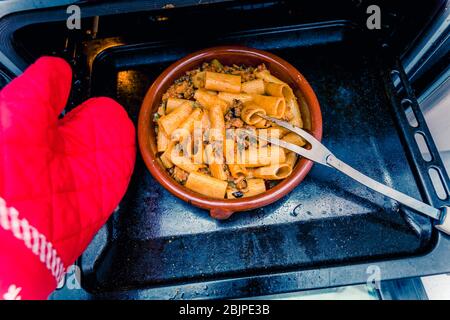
[173,103]
[207,128]
[254,186]
[276,89]
[256,86]
[222,82]
[273,172]
[274,106]
[237,170]
[206,185]
[229,98]
[208,99]
[162,141]
[249,114]
[172,121]
[294,139]
[257,157]
[216,137]
[291,159]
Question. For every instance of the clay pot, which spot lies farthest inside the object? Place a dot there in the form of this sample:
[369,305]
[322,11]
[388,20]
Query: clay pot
[227,55]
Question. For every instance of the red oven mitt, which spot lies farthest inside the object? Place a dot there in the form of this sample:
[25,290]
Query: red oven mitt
[59,179]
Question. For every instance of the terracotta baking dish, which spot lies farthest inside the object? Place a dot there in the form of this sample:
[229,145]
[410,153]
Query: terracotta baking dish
[227,55]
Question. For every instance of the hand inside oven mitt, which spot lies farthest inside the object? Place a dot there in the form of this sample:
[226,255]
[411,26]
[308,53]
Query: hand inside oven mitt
[59,179]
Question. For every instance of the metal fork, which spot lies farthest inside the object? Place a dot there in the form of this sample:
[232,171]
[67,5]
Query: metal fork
[320,154]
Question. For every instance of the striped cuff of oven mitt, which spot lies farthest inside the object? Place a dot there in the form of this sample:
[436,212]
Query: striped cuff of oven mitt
[30,267]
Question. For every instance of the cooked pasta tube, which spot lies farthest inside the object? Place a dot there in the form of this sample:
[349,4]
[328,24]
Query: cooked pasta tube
[291,159]
[166,162]
[274,106]
[255,186]
[237,170]
[187,126]
[208,154]
[200,127]
[165,157]
[273,172]
[180,155]
[276,89]
[217,135]
[215,162]
[222,82]
[271,132]
[230,97]
[230,145]
[196,115]
[198,79]
[205,123]
[173,103]
[282,130]
[294,139]
[209,100]
[162,141]
[172,121]
[185,163]
[254,86]
[292,105]
[206,185]
[267,132]
[258,157]
[266,76]
[197,146]
[262,124]
[213,154]
[249,114]
[216,118]
[218,171]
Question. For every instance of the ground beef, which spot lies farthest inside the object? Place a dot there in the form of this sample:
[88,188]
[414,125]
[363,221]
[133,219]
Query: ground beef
[246,73]
[205,170]
[213,66]
[183,88]
[234,123]
[232,117]
[236,108]
[192,73]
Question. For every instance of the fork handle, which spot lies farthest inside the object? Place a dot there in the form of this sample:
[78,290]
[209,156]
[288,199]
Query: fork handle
[398,196]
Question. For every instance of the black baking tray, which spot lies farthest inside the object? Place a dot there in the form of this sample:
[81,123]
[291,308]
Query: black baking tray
[155,239]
